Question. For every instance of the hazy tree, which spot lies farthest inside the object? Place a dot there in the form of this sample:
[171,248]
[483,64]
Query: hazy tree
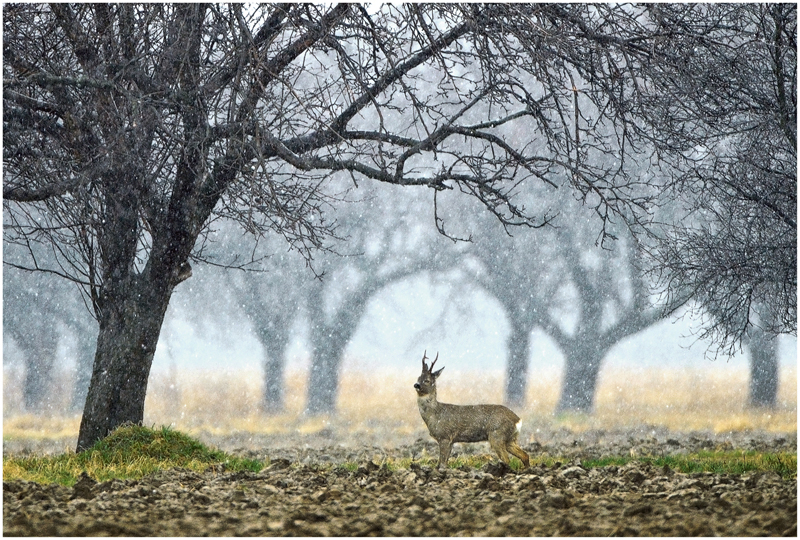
[523,273]
[763,388]
[272,299]
[397,244]
[723,103]
[560,274]
[128,128]
[29,319]
[84,328]
[612,303]
[40,310]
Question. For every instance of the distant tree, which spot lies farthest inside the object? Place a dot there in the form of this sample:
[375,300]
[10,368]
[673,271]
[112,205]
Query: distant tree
[523,273]
[39,311]
[723,109]
[129,128]
[395,246]
[84,328]
[35,331]
[560,274]
[764,368]
[272,299]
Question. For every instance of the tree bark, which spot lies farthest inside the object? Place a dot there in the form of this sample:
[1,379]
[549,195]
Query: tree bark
[517,370]
[581,370]
[274,343]
[763,369]
[129,331]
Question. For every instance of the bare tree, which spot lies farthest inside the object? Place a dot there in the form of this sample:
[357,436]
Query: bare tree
[560,274]
[36,334]
[40,310]
[128,129]
[723,107]
[272,299]
[395,246]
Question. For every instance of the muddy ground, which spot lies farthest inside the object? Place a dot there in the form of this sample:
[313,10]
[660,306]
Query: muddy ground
[299,494]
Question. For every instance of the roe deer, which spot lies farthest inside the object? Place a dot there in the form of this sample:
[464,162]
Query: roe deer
[449,424]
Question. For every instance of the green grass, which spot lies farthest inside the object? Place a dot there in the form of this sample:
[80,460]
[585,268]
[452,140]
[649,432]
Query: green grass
[135,451]
[128,452]
[725,462]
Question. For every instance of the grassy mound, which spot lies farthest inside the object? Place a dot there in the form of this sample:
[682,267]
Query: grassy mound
[128,452]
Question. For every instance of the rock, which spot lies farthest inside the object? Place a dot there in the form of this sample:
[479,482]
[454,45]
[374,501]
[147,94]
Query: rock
[638,509]
[574,472]
[555,499]
[497,468]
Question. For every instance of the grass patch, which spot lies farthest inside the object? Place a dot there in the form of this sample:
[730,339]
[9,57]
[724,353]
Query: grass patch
[729,462]
[135,451]
[128,452]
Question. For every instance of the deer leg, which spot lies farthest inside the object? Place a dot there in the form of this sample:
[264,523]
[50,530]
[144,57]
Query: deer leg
[444,452]
[517,450]
[500,449]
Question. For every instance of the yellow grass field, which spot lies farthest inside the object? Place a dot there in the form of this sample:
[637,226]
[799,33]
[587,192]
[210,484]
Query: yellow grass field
[228,402]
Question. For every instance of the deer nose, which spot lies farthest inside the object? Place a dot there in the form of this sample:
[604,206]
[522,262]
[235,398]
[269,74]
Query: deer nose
[416,385]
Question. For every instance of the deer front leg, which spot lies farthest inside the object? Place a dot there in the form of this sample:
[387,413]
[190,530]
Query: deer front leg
[444,452]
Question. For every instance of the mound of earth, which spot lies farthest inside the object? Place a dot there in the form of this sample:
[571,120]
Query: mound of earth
[301,494]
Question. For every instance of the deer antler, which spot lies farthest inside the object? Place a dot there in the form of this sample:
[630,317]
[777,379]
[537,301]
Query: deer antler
[434,362]
[424,356]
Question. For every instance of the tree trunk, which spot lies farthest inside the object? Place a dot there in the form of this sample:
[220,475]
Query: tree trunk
[328,341]
[763,369]
[581,369]
[40,361]
[323,381]
[130,323]
[517,370]
[274,344]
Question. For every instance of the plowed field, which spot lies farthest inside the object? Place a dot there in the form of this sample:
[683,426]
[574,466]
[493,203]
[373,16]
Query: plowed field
[307,491]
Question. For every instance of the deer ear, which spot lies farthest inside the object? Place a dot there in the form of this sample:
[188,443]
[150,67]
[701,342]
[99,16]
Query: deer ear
[437,373]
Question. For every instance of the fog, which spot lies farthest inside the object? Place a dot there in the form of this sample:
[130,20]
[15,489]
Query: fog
[401,322]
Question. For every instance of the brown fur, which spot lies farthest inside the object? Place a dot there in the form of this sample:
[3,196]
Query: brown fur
[450,424]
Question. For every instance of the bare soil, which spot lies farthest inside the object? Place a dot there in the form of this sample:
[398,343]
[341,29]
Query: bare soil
[300,494]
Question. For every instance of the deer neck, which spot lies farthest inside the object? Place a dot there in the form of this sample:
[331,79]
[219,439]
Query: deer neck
[427,405]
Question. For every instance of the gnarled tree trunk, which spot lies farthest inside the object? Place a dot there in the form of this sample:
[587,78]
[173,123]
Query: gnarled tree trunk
[763,369]
[129,331]
[517,370]
[581,369]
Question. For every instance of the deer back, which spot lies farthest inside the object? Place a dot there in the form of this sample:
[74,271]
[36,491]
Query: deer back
[470,423]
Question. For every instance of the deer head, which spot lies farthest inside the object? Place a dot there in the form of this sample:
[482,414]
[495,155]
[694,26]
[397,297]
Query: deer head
[426,383]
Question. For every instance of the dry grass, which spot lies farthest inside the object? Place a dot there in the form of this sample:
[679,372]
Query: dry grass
[227,402]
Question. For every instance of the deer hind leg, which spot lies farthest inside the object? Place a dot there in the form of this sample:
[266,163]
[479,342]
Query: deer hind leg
[499,446]
[444,452]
